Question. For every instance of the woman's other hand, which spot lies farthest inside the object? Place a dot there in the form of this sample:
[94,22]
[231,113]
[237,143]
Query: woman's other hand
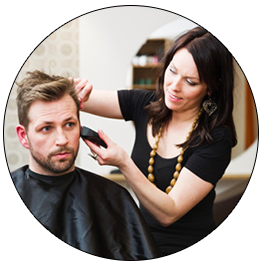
[83,89]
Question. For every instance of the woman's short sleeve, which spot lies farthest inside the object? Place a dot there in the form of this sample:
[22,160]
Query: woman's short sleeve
[210,160]
[132,102]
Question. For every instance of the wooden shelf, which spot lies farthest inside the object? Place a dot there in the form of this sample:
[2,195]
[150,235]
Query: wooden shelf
[158,65]
[147,87]
[115,177]
[145,71]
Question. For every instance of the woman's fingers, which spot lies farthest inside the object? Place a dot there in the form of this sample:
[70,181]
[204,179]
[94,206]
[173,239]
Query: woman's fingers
[105,138]
[110,156]
[83,89]
[95,149]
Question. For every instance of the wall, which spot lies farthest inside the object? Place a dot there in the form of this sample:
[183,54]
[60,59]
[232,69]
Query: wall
[58,54]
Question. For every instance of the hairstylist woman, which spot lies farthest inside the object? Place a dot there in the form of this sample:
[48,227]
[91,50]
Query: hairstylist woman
[184,136]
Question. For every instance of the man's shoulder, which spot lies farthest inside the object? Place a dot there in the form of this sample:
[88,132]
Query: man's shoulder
[19,171]
[104,188]
[96,180]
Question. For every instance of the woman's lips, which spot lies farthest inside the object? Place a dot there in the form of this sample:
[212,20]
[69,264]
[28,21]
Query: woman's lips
[173,97]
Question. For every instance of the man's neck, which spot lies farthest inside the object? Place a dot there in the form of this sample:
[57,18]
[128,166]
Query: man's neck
[50,173]
[47,172]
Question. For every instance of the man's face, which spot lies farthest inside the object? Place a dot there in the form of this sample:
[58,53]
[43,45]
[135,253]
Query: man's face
[53,136]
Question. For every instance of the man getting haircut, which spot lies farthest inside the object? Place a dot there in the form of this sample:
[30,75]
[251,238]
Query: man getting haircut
[86,211]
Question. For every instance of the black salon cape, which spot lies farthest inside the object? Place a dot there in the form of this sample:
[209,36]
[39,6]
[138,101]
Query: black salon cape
[88,212]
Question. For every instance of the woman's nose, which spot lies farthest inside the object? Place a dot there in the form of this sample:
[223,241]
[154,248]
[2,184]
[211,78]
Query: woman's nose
[176,83]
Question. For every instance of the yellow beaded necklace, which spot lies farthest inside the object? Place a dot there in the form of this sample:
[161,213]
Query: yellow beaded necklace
[150,176]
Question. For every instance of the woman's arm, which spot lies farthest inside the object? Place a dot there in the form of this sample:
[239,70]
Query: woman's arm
[104,104]
[165,208]
[98,102]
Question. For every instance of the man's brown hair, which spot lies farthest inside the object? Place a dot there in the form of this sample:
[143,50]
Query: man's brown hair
[38,86]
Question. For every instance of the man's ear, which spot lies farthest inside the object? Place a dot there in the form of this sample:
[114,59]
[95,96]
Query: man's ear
[22,136]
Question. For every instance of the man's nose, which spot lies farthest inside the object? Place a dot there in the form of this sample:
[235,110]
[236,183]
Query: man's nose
[61,138]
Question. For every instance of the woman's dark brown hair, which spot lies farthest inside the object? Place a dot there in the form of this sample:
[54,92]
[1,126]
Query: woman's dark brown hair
[215,67]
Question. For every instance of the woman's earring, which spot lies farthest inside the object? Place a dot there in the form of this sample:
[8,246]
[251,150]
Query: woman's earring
[209,106]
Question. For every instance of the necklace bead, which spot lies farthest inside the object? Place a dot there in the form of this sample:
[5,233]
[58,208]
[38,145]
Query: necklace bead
[168,189]
[180,158]
[151,161]
[173,181]
[176,175]
[151,177]
[153,153]
[178,167]
[150,169]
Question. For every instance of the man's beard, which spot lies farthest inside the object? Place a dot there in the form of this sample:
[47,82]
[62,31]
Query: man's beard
[59,166]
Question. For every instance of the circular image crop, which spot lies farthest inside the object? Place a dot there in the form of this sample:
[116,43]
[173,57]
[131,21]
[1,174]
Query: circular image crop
[154,69]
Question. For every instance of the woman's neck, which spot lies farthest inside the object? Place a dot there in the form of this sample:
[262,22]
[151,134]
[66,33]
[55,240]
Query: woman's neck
[184,117]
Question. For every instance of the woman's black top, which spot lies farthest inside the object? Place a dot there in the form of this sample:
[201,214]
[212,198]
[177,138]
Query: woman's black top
[208,161]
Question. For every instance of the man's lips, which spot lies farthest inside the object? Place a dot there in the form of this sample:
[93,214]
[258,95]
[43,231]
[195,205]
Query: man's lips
[62,152]
[62,155]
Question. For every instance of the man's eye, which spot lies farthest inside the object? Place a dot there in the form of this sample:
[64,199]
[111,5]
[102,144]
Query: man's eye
[46,128]
[70,124]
